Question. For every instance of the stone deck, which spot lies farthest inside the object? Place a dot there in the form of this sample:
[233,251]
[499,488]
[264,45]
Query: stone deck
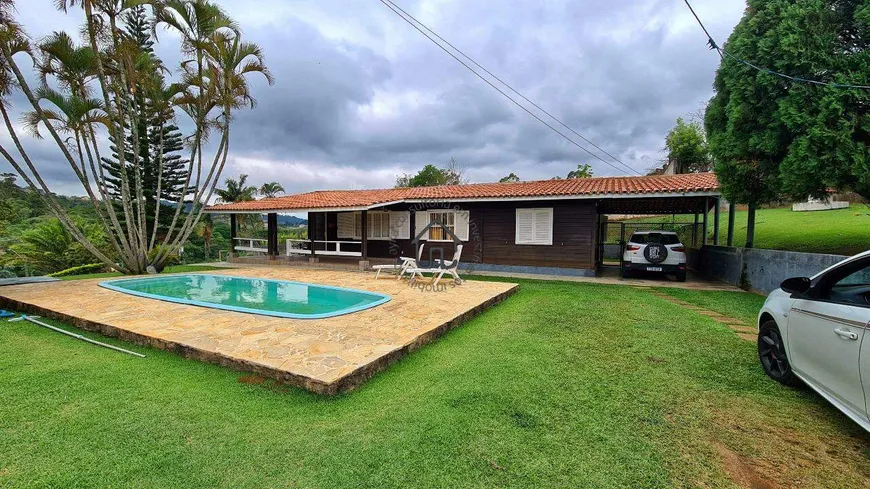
[327,356]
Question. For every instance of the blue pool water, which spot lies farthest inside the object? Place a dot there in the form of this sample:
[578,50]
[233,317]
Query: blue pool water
[279,298]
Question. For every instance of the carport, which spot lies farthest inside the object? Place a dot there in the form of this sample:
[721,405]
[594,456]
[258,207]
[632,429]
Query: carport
[616,217]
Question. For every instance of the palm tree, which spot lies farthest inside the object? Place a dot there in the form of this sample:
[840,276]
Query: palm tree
[206,232]
[271,189]
[238,191]
[197,21]
[229,61]
[71,65]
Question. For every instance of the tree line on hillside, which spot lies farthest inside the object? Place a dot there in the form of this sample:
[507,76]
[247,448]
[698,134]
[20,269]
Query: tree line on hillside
[454,174]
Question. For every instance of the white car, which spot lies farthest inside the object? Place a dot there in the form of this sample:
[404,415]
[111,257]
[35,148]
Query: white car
[654,251]
[812,330]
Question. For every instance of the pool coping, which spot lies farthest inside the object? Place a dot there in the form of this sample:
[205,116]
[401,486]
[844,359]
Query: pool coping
[343,384]
[109,284]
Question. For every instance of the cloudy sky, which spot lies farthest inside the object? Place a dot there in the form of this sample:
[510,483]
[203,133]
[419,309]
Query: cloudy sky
[360,96]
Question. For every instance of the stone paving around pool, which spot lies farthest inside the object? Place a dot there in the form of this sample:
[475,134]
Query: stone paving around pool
[327,356]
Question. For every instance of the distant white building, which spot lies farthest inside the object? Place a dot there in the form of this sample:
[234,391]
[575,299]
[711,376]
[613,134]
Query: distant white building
[823,204]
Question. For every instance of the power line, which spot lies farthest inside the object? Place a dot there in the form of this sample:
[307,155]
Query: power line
[512,89]
[723,53]
[469,68]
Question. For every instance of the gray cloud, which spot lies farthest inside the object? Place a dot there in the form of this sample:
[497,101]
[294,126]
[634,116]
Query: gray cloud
[360,96]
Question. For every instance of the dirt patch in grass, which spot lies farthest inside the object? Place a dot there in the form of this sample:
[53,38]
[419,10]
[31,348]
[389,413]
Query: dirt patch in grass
[760,451]
[740,471]
[251,379]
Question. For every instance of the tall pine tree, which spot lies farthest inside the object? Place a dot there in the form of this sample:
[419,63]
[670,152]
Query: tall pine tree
[160,140]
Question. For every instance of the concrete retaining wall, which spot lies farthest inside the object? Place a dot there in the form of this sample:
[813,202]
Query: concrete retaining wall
[759,270]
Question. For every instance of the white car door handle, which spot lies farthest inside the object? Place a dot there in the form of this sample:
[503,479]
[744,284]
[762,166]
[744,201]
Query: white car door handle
[849,335]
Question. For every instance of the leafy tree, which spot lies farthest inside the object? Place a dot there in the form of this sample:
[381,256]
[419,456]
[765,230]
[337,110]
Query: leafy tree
[582,171]
[271,189]
[116,70]
[773,137]
[510,178]
[687,147]
[431,175]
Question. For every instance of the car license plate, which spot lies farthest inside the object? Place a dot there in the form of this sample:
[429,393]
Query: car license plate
[653,269]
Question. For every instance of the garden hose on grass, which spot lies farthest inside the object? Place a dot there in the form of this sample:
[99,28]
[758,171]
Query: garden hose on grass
[33,320]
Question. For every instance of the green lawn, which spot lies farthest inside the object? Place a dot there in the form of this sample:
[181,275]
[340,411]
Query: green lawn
[563,385]
[841,231]
[173,269]
[739,306]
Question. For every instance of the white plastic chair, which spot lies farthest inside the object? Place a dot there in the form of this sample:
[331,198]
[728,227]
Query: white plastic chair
[407,262]
[450,268]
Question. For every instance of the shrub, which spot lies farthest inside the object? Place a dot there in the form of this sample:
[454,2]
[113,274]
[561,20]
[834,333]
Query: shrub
[80,270]
[171,260]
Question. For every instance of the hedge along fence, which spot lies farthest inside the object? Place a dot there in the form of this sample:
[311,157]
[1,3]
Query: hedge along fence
[759,270]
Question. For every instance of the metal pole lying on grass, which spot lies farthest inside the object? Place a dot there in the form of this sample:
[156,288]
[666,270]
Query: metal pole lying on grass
[33,320]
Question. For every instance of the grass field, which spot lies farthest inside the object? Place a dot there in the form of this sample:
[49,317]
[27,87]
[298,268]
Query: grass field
[173,269]
[562,385]
[840,232]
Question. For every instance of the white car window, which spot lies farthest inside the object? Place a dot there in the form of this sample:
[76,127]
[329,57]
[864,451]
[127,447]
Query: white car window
[853,288]
[860,277]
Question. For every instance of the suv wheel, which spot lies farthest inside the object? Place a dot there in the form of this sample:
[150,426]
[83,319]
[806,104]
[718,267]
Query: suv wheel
[771,353]
[626,273]
[681,276]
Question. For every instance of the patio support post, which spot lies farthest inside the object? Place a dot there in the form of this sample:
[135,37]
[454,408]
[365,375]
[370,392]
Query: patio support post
[732,211]
[750,226]
[706,218]
[233,234]
[695,232]
[272,234]
[717,202]
[364,232]
[312,217]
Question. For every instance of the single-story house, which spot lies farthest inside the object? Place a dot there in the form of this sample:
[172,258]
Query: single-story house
[547,226]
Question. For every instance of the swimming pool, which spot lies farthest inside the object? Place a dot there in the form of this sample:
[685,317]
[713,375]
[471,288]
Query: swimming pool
[280,298]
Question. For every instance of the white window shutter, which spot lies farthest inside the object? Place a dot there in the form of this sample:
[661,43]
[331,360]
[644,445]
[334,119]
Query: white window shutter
[525,227]
[544,226]
[461,220]
[421,220]
[400,225]
[345,225]
[357,225]
[370,220]
[535,226]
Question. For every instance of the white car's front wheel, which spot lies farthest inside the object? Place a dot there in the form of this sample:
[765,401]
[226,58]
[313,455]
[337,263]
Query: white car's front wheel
[771,353]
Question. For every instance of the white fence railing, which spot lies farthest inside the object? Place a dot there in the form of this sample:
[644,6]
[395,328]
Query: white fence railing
[255,245]
[326,248]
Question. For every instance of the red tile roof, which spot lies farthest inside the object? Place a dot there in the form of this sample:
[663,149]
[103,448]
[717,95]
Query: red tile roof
[581,187]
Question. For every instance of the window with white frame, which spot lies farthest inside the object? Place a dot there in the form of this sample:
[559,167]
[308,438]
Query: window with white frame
[349,225]
[379,225]
[534,226]
[441,221]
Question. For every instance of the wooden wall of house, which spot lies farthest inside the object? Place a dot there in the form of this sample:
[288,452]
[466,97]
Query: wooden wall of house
[574,236]
[492,234]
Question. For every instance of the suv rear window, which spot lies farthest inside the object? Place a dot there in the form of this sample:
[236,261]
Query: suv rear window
[665,239]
